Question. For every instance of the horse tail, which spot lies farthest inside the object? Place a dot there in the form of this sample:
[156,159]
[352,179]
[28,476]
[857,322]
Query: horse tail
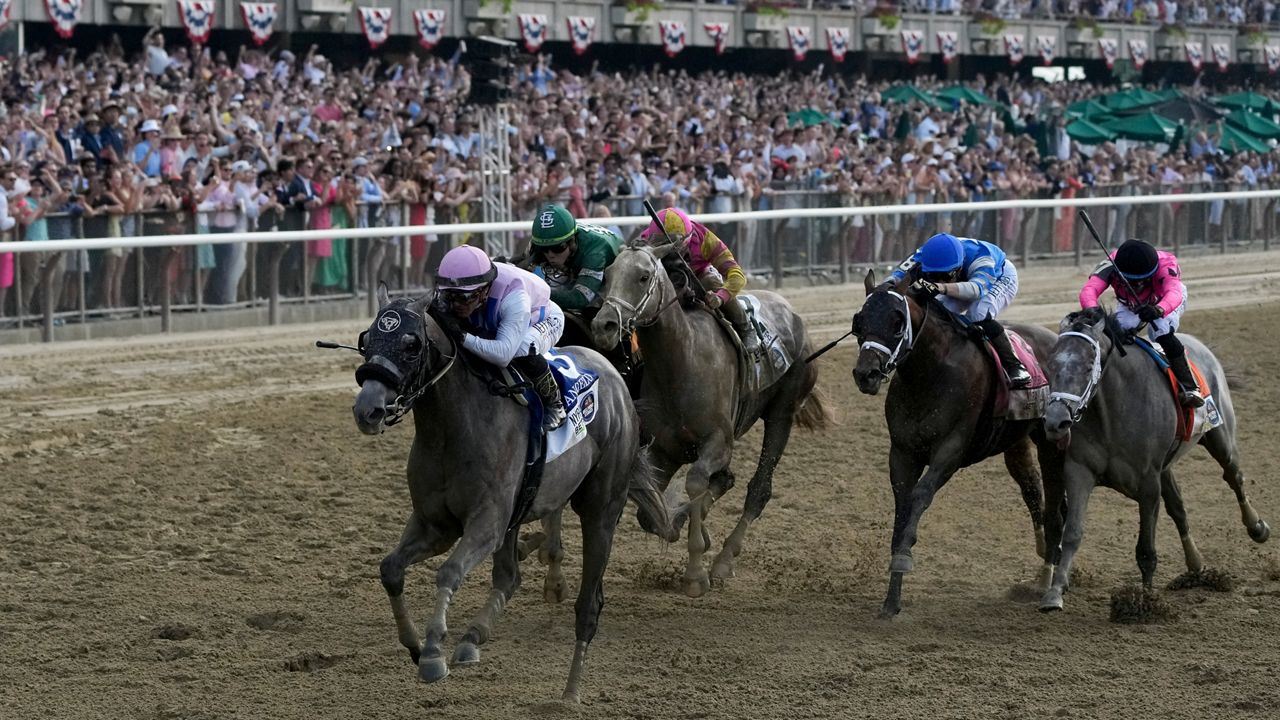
[1235,379]
[643,490]
[814,412]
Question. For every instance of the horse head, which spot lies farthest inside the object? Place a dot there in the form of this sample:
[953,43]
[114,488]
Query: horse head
[885,328]
[636,290]
[395,348]
[1085,340]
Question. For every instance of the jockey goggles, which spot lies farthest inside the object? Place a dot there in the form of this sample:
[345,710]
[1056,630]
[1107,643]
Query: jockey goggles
[461,297]
[555,249]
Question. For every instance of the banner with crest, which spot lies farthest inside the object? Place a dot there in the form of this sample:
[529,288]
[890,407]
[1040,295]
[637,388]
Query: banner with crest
[1110,50]
[838,42]
[64,14]
[1138,53]
[533,30]
[1222,56]
[1048,47]
[197,18]
[376,24]
[1195,55]
[582,31]
[430,25]
[913,44]
[948,40]
[1013,46]
[719,34]
[260,18]
[800,40]
[673,36]
[1272,53]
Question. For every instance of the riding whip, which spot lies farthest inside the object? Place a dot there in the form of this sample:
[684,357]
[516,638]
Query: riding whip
[827,347]
[1094,232]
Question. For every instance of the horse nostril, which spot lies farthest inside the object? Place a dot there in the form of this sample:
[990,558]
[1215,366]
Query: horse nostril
[1064,424]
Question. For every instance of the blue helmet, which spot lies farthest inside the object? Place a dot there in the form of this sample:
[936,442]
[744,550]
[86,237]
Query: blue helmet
[941,253]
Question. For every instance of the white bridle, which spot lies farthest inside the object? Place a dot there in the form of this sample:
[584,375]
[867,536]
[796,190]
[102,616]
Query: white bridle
[1077,403]
[626,326]
[904,343]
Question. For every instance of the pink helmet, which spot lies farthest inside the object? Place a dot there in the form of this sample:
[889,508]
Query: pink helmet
[674,220]
[465,267]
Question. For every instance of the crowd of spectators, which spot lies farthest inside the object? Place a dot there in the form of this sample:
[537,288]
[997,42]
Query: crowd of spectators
[178,141]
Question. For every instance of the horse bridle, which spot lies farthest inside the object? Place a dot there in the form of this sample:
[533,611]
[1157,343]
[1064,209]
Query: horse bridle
[405,398]
[905,342]
[1076,404]
[625,326]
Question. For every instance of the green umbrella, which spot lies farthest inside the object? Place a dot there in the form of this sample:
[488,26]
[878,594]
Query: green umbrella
[1147,127]
[1235,140]
[1131,98]
[807,117]
[1169,94]
[1089,133]
[960,93]
[1087,109]
[1246,100]
[907,94]
[1255,125]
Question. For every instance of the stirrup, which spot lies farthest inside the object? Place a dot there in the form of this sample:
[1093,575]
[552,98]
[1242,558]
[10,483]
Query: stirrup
[1020,378]
[1191,398]
[553,416]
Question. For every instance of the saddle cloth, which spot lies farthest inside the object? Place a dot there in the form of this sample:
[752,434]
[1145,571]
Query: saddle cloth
[763,369]
[1027,403]
[1191,421]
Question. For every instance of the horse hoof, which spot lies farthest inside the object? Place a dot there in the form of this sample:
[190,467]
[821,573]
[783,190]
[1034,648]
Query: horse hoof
[571,698]
[465,654]
[1260,532]
[722,569]
[888,613]
[432,669]
[529,543]
[414,655]
[1051,602]
[696,587]
[553,592]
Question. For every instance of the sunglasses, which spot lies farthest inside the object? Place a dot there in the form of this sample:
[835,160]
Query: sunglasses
[556,249]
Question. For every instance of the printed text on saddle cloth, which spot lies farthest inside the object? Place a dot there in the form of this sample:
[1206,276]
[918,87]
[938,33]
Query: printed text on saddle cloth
[579,386]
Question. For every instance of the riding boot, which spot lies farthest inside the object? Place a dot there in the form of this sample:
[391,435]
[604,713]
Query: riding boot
[737,316]
[538,373]
[1013,367]
[1190,395]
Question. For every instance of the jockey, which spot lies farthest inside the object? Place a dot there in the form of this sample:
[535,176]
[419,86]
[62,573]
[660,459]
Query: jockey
[976,281]
[713,263]
[1160,300]
[573,257]
[509,319]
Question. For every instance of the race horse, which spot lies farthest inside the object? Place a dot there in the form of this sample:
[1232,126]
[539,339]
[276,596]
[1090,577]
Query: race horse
[693,398]
[940,409]
[1114,416]
[465,469]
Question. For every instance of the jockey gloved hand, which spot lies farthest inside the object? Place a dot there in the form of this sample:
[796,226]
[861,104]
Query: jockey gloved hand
[1149,313]
[927,286]
[451,325]
[713,300]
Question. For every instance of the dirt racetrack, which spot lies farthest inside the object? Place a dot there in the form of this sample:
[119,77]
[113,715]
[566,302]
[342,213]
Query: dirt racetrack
[190,527]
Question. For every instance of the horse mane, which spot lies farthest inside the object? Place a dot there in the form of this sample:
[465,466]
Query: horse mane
[1090,317]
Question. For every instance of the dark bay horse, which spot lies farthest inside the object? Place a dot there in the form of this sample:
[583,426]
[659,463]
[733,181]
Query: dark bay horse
[1115,417]
[939,409]
[693,401]
[465,467]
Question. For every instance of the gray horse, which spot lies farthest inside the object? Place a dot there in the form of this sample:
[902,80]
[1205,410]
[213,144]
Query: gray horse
[465,466]
[1114,418]
[692,400]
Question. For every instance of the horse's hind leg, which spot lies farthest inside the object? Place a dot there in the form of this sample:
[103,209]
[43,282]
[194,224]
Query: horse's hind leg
[552,555]
[904,472]
[777,430]
[1021,463]
[1177,511]
[506,581]
[1221,444]
[417,543]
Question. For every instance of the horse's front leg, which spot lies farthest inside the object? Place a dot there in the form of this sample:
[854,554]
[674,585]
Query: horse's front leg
[480,537]
[713,458]
[552,555]
[506,581]
[418,542]
[1078,482]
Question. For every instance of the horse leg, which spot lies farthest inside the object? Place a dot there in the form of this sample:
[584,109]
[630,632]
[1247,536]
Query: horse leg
[1172,495]
[600,514]
[904,471]
[552,555]
[1078,483]
[777,430]
[663,470]
[1148,516]
[1221,444]
[1021,464]
[480,537]
[1051,460]
[417,543]
[713,459]
[506,581]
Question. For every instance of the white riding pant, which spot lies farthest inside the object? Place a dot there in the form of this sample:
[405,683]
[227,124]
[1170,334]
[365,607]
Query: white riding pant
[545,333]
[993,302]
[1128,319]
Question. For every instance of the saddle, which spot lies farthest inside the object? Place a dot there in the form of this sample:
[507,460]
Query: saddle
[1029,403]
[1190,420]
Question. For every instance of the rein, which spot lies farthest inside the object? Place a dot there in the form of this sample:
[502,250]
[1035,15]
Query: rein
[905,343]
[1076,404]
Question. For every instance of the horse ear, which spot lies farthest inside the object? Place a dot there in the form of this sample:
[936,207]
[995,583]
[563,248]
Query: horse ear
[384,296]
[869,282]
[663,250]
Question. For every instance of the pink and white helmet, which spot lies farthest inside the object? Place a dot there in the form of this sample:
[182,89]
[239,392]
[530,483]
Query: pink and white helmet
[465,267]
[674,220]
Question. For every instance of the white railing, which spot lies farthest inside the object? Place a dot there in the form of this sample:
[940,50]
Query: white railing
[523,225]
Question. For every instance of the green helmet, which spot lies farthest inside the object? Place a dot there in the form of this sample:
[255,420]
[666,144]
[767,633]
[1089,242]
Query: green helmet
[553,225]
